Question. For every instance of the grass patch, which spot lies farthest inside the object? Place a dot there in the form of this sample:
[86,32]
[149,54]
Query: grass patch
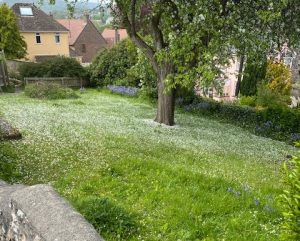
[8,166]
[107,217]
[133,180]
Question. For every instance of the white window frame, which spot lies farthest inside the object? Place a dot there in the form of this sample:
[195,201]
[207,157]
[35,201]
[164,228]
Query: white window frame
[57,37]
[26,11]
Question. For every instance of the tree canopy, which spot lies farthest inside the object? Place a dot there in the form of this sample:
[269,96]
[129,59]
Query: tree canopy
[193,40]
[10,39]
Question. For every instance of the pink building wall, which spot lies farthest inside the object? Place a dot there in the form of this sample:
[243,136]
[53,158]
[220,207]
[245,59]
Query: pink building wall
[231,78]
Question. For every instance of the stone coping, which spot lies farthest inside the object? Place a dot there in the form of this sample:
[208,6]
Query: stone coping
[38,213]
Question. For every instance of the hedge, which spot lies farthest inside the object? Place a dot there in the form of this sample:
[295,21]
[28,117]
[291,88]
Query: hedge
[59,66]
[277,123]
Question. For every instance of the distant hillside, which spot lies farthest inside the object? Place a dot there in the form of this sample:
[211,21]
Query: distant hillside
[60,5]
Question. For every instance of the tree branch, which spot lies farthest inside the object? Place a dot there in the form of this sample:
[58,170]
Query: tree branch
[157,33]
[130,25]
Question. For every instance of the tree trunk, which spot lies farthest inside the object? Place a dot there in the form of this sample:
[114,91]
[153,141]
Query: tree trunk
[3,70]
[166,99]
[238,83]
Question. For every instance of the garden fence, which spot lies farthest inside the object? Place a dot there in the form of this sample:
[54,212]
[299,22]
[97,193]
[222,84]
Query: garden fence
[65,81]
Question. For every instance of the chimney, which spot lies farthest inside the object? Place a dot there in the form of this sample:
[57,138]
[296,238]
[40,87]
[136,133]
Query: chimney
[117,36]
[51,15]
[86,16]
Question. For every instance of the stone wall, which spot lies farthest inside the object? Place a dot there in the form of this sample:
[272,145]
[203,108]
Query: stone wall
[14,65]
[38,213]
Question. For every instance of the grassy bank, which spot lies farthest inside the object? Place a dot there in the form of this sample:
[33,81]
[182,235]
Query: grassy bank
[136,180]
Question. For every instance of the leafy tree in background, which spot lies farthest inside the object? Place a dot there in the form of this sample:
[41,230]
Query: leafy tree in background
[254,74]
[11,41]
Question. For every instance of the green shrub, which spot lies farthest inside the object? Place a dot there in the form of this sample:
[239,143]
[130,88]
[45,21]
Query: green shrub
[46,90]
[110,67]
[275,90]
[268,98]
[278,78]
[279,123]
[284,119]
[185,96]
[55,67]
[248,100]
[10,88]
[124,65]
[290,201]
[14,75]
[31,69]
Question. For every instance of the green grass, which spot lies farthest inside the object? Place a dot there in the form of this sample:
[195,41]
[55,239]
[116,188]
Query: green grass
[135,180]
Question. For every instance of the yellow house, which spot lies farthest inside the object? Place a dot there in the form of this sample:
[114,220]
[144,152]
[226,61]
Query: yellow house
[44,36]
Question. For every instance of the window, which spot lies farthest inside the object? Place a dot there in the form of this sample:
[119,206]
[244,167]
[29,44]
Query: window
[38,39]
[26,11]
[57,38]
[83,48]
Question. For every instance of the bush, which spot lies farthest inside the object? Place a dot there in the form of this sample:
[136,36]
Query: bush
[110,67]
[55,67]
[248,100]
[46,90]
[290,201]
[278,78]
[10,88]
[268,98]
[275,90]
[14,75]
[124,65]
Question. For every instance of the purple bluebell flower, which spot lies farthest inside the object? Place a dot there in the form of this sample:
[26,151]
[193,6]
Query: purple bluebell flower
[123,90]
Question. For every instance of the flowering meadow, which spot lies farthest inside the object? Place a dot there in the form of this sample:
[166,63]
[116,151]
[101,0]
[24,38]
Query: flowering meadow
[134,179]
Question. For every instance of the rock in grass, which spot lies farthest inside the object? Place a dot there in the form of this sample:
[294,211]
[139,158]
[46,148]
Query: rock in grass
[7,132]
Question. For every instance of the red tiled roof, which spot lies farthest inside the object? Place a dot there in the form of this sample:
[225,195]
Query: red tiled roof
[109,34]
[75,27]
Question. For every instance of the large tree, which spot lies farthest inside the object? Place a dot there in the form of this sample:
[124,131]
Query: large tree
[12,44]
[283,26]
[11,41]
[194,39]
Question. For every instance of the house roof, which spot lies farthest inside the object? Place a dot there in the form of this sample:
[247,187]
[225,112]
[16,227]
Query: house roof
[109,34]
[75,27]
[39,21]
